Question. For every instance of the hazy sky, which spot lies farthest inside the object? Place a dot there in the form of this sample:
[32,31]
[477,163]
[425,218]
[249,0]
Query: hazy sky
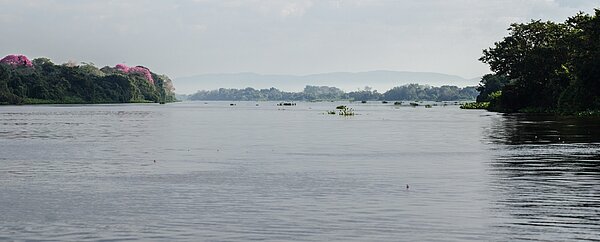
[181,38]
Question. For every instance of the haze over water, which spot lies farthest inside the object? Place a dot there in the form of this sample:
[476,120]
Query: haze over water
[247,172]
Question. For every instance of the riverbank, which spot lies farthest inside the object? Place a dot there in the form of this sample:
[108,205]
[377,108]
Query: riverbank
[42,82]
[486,106]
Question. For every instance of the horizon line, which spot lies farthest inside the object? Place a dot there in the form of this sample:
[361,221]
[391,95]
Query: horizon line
[321,73]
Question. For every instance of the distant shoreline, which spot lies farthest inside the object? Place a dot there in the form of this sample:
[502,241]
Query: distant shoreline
[413,92]
[347,81]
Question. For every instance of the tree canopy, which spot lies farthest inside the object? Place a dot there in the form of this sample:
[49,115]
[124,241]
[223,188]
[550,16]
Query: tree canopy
[545,66]
[41,81]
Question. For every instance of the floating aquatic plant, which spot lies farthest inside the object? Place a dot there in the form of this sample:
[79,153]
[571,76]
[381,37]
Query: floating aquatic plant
[475,105]
[286,104]
[346,111]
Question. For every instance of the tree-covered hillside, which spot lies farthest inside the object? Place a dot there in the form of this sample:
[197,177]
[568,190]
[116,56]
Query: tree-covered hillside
[41,81]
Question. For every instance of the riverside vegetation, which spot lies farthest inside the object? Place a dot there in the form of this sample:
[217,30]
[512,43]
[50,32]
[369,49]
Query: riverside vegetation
[545,67]
[316,93]
[42,82]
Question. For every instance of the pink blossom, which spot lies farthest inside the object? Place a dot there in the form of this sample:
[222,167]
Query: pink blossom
[136,69]
[144,71]
[122,67]
[17,60]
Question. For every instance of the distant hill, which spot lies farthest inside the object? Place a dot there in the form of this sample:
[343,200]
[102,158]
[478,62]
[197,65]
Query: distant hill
[348,81]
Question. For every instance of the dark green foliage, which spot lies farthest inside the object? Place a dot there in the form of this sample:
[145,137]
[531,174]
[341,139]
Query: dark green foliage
[475,105]
[50,83]
[546,67]
[489,84]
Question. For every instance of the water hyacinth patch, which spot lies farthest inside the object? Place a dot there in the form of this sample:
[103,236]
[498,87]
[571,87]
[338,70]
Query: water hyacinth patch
[136,69]
[16,60]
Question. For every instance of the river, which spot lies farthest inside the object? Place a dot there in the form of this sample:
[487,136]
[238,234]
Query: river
[257,171]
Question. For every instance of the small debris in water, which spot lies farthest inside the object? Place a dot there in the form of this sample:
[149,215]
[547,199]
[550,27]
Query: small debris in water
[286,104]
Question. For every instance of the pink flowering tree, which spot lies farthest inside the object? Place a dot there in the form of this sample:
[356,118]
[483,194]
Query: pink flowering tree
[144,71]
[122,67]
[138,70]
[16,60]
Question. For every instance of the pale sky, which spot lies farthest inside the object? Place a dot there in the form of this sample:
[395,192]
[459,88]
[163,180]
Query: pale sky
[182,38]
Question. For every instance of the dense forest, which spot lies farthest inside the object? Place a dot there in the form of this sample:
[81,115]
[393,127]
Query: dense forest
[545,67]
[40,81]
[314,93]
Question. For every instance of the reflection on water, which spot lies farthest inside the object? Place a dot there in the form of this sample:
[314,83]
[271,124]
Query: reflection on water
[547,176]
[518,129]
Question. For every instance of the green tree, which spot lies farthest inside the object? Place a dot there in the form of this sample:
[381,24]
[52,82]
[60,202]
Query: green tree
[490,83]
[46,82]
[584,91]
[535,57]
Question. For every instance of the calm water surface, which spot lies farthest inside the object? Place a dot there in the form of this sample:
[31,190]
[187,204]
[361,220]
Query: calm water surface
[247,172]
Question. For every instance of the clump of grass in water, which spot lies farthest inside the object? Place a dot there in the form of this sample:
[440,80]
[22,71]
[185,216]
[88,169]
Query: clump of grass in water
[475,105]
[343,111]
[347,111]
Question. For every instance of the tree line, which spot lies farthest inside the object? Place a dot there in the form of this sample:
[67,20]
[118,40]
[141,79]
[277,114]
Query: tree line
[545,67]
[41,81]
[315,93]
